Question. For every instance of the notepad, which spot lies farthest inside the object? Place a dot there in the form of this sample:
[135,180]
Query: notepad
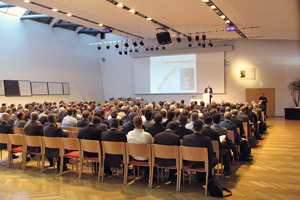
[222,137]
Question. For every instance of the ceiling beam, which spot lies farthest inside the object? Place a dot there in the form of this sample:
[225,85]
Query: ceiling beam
[39,16]
[89,32]
[66,25]
[5,5]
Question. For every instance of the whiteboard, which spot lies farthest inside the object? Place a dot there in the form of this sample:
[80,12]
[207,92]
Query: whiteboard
[39,88]
[55,88]
[25,88]
[66,88]
[2,91]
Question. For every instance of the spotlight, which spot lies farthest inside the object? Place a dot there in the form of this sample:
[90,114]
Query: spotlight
[210,44]
[120,52]
[178,39]
[130,50]
[190,45]
[197,37]
[147,49]
[203,37]
[189,38]
[136,51]
[126,44]
[156,48]
[199,44]
[203,45]
[99,47]
[116,45]
[107,46]
[163,48]
[151,48]
[125,52]
[134,44]
[141,43]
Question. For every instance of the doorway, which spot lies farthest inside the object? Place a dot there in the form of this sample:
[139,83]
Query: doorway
[253,94]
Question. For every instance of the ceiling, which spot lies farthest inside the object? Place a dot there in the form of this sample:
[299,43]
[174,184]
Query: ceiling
[276,19]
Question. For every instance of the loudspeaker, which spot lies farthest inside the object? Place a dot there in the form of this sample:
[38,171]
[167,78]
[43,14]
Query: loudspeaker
[163,38]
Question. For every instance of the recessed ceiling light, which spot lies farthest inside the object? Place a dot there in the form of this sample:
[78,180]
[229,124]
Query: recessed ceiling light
[69,14]
[120,5]
[205,1]
[149,18]
[227,21]
[100,24]
[223,17]
[26,1]
[54,10]
[213,7]
[132,11]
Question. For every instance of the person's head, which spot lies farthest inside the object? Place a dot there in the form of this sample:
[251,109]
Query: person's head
[5,117]
[3,108]
[148,115]
[158,118]
[96,121]
[207,120]
[197,126]
[243,109]
[132,115]
[34,116]
[26,111]
[163,113]
[137,122]
[170,115]
[21,115]
[114,114]
[46,112]
[227,115]
[52,118]
[9,111]
[182,120]
[207,86]
[217,118]
[262,94]
[172,126]
[85,114]
[70,112]
[194,116]
[234,112]
[114,123]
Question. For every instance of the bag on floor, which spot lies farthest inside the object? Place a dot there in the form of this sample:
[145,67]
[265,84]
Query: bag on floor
[252,141]
[215,190]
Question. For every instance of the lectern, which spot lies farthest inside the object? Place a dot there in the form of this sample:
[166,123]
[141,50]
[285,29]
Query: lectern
[206,98]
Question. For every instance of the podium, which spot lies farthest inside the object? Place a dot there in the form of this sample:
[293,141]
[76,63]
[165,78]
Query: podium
[206,98]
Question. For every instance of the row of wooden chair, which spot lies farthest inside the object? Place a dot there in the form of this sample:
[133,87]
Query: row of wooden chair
[78,147]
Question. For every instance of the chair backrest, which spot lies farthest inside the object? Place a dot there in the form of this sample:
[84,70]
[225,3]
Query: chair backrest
[231,136]
[92,146]
[76,129]
[245,125]
[16,139]
[33,141]
[58,124]
[52,142]
[70,144]
[216,149]
[117,148]
[143,150]
[165,152]
[19,131]
[197,154]
[3,138]
[68,128]
[263,115]
[73,134]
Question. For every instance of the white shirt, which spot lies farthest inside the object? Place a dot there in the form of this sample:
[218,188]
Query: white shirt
[139,136]
[69,121]
[190,125]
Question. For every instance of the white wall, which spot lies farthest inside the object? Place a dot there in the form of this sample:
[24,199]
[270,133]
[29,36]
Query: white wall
[34,51]
[276,63]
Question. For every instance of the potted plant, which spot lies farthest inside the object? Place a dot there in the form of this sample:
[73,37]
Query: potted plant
[294,87]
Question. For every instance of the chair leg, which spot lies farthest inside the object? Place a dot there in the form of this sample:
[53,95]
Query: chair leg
[43,162]
[190,177]
[24,160]
[151,177]
[162,174]
[61,165]
[99,172]
[125,174]
[138,173]
[80,167]
[0,154]
[206,182]
[102,170]
[157,178]
[178,180]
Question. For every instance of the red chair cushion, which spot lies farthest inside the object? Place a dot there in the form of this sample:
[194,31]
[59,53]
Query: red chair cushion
[73,154]
[136,162]
[91,158]
[17,149]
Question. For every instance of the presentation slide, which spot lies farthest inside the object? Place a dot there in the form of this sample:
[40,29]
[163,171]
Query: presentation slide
[173,74]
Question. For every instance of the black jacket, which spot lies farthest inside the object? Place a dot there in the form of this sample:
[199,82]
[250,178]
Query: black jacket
[182,131]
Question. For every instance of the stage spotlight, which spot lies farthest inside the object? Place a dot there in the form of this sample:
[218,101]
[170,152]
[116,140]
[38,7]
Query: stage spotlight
[199,44]
[203,37]
[126,44]
[178,39]
[125,52]
[151,48]
[107,46]
[190,45]
[197,37]
[156,48]
[203,45]
[189,38]
[120,52]
[116,45]
[136,51]
[130,50]
[210,44]
[141,43]
[99,47]
[163,48]
[134,44]
[147,49]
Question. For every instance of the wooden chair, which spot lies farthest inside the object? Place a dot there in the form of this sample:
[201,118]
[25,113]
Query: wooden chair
[197,154]
[68,128]
[17,140]
[115,148]
[217,152]
[73,134]
[91,146]
[4,140]
[33,141]
[246,129]
[72,144]
[76,129]
[263,115]
[231,137]
[58,124]
[143,150]
[53,143]
[19,131]
[165,152]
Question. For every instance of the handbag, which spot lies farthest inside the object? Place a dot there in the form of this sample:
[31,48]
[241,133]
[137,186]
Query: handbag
[215,189]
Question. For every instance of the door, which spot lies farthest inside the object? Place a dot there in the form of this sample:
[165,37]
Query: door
[253,94]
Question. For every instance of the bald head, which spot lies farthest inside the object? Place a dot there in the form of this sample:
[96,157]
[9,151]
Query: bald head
[227,115]
[5,117]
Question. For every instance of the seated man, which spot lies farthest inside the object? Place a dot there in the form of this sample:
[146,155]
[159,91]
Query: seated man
[53,131]
[196,139]
[182,131]
[113,135]
[70,120]
[20,122]
[128,126]
[168,138]
[157,127]
[194,117]
[5,127]
[84,120]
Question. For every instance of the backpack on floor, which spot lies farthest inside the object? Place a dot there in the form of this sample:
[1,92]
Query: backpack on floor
[215,190]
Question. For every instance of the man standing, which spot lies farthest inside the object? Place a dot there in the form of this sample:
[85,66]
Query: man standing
[208,90]
[264,102]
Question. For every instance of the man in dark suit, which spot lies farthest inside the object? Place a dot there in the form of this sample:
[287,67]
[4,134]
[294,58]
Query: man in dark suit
[53,131]
[128,126]
[91,132]
[44,119]
[182,131]
[33,126]
[170,116]
[237,122]
[157,127]
[20,122]
[113,135]
[5,127]
[208,90]
[84,120]
[168,138]
[198,140]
